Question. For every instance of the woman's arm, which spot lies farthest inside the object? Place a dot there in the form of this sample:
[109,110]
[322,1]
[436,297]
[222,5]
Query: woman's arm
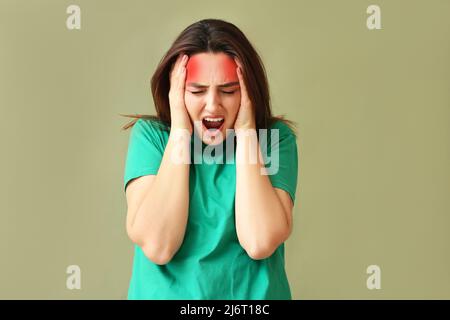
[157,215]
[263,213]
[158,222]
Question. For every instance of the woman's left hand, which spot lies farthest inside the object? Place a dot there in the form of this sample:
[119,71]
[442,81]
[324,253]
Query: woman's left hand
[246,115]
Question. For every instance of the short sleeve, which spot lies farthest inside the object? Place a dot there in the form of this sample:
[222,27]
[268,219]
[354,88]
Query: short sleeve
[282,161]
[145,150]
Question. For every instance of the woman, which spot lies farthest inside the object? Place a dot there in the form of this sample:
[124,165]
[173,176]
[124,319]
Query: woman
[213,229]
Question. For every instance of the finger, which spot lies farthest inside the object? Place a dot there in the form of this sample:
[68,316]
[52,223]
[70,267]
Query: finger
[182,65]
[240,75]
[180,71]
[174,68]
[174,65]
[184,60]
[178,63]
[236,59]
[182,78]
[244,93]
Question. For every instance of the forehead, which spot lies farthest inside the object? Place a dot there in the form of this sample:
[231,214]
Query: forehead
[211,67]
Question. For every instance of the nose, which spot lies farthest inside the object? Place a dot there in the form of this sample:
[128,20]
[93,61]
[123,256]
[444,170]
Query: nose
[212,103]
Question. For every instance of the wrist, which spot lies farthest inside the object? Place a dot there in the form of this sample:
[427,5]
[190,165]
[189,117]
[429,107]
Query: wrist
[246,124]
[245,131]
[180,126]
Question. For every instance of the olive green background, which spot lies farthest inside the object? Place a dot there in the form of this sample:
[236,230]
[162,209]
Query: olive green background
[373,114]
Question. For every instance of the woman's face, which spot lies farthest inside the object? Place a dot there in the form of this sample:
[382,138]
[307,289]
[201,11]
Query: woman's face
[212,93]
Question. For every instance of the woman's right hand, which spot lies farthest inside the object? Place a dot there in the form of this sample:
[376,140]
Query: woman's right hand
[178,113]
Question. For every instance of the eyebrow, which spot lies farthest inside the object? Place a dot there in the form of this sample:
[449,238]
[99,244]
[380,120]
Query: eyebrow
[225,85]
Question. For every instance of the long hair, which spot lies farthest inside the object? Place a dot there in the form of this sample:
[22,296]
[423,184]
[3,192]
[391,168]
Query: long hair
[214,36]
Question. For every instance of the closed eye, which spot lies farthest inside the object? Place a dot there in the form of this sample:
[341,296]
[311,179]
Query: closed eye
[200,92]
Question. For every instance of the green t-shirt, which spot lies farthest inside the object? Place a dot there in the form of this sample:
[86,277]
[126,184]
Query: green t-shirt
[210,264]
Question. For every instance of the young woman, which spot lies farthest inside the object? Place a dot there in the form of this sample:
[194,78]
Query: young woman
[210,229]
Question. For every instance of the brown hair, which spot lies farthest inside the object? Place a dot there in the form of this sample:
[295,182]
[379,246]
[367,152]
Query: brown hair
[214,35]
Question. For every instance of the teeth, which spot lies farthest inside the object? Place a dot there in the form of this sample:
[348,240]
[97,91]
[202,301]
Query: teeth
[214,119]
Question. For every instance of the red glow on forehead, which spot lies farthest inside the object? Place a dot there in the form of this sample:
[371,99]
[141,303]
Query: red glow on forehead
[230,69]
[200,67]
[192,69]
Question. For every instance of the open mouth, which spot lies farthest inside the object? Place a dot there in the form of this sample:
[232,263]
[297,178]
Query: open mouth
[213,123]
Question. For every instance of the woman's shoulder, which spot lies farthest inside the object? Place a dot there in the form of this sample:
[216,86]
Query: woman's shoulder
[150,129]
[146,125]
[150,125]
[284,128]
